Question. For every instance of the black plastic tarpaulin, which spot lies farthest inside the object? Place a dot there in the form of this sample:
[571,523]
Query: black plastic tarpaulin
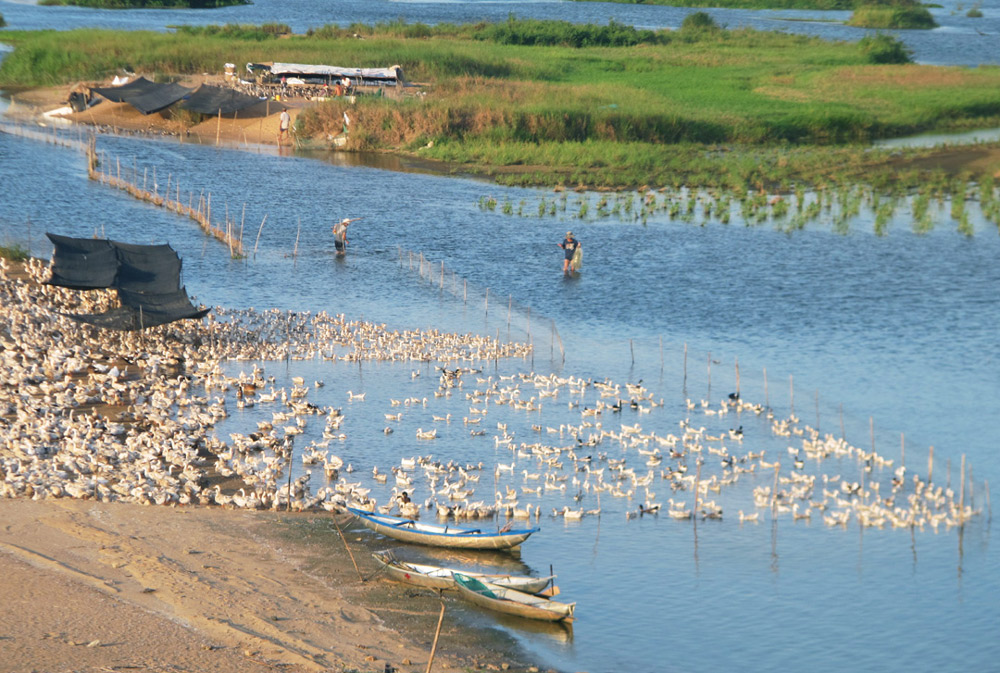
[147,278]
[145,96]
[83,263]
[213,100]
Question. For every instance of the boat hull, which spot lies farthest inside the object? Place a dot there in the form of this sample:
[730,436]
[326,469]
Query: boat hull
[438,578]
[455,537]
[512,602]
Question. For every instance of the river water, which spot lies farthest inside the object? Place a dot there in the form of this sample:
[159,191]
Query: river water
[883,339]
[958,39]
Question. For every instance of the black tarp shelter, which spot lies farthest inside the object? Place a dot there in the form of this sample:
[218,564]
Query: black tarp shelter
[145,96]
[213,100]
[147,278]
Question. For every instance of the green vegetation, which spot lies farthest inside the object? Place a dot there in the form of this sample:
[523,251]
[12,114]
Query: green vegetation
[147,4]
[234,31]
[974,12]
[2,22]
[15,252]
[749,4]
[700,105]
[892,16]
[885,49]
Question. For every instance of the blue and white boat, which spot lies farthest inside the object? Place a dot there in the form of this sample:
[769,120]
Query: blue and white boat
[442,535]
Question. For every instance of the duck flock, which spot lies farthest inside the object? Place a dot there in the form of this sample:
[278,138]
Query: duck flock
[93,414]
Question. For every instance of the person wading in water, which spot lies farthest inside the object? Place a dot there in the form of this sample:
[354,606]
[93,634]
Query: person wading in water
[340,234]
[569,246]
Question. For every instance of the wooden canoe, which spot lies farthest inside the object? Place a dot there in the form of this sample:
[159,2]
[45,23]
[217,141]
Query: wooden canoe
[441,535]
[511,601]
[437,577]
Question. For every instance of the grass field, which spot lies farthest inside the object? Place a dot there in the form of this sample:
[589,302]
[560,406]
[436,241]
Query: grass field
[523,94]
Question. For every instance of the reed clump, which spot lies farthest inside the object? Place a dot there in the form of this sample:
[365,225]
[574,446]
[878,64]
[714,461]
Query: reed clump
[893,17]
[14,252]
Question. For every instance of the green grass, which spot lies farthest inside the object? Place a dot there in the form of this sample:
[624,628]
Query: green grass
[527,101]
[14,252]
[892,17]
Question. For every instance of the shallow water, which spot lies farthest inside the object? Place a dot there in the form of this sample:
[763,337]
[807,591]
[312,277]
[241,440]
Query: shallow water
[895,331]
[958,41]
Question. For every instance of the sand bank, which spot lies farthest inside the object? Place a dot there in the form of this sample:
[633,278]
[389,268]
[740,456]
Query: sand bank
[92,586]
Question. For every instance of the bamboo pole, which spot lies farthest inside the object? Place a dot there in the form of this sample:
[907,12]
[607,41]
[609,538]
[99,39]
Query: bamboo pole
[243,216]
[685,364]
[661,354]
[631,349]
[791,391]
[767,401]
[817,410]
[737,378]
[709,373]
[259,229]
[348,548]
[437,633]
[774,490]
[930,465]
[961,492]
[218,128]
[697,491]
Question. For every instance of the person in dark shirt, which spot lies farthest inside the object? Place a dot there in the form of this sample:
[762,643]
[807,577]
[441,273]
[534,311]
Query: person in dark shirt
[569,246]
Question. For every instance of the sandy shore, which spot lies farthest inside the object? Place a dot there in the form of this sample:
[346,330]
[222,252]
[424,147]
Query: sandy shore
[258,125]
[99,579]
[92,586]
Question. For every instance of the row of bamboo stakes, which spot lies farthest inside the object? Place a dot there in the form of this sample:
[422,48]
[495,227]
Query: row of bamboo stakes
[437,276]
[200,212]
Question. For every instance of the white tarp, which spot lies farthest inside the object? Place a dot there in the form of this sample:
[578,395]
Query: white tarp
[394,73]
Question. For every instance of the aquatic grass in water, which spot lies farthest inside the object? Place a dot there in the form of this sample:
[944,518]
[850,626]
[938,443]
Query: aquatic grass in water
[841,211]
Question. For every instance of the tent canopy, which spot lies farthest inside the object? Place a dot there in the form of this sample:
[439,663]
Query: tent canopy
[390,75]
[213,100]
[145,96]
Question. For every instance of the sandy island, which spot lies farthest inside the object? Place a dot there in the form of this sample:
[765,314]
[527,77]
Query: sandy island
[258,125]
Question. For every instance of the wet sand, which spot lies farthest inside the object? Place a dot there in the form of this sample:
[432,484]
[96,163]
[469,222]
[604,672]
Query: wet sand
[91,586]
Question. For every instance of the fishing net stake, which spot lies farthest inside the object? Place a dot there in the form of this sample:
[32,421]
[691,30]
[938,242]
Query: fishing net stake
[349,552]
[437,633]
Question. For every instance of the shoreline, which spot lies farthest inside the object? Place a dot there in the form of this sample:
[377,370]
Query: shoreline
[151,588]
[97,577]
[258,131]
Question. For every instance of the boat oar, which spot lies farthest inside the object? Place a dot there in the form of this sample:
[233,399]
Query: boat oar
[348,547]
[437,633]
